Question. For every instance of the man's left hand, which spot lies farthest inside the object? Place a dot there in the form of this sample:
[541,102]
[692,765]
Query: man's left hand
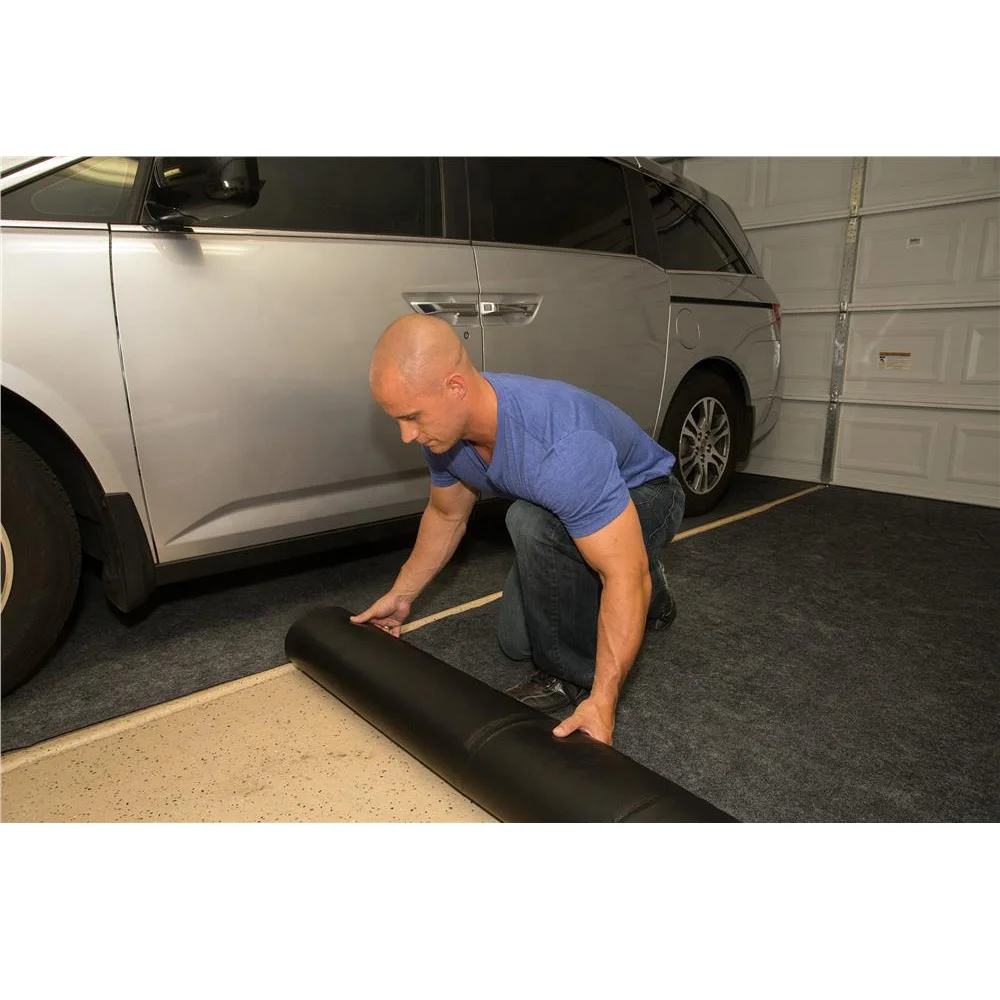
[595,719]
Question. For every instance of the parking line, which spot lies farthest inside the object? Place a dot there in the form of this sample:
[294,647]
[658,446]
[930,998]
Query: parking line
[438,615]
[746,513]
[489,598]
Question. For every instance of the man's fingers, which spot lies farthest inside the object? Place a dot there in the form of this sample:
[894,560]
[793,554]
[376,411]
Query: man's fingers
[567,726]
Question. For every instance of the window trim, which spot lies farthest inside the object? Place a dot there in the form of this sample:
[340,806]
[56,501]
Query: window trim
[303,234]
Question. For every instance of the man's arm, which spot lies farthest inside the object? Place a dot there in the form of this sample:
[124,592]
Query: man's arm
[441,529]
[617,553]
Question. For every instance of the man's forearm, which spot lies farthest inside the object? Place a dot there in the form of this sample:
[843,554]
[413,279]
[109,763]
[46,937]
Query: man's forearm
[437,539]
[621,623]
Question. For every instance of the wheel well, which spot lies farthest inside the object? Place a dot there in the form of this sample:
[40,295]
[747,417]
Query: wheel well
[65,460]
[734,376]
[730,372]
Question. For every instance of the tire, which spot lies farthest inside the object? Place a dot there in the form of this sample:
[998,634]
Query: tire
[706,406]
[41,560]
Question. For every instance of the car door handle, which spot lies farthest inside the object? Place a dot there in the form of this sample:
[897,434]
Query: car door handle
[509,310]
[443,308]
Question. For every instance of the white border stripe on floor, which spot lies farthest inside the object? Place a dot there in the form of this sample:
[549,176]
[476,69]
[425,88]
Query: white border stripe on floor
[111,727]
[746,513]
[447,613]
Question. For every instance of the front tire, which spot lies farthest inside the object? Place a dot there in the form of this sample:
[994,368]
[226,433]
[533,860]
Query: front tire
[702,430]
[40,560]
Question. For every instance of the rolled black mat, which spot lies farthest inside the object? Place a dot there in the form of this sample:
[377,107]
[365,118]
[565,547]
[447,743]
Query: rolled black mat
[494,750]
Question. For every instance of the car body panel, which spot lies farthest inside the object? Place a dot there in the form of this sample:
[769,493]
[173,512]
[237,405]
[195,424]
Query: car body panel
[729,317]
[247,365]
[60,346]
[600,324]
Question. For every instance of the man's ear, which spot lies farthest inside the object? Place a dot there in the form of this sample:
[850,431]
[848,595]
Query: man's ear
[457,386]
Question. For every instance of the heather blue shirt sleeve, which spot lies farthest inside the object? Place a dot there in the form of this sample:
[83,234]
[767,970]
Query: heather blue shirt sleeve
[579,481]
[438,466]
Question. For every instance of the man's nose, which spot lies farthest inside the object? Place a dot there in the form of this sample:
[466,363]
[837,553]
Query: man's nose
[408,433]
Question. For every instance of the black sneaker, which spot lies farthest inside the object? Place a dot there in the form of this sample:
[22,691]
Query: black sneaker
[661,622]
[548,694]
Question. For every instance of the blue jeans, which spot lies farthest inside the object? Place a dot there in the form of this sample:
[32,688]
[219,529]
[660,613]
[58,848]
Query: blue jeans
[548,612]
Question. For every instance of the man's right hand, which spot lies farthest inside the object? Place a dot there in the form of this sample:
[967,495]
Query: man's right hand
[387,613]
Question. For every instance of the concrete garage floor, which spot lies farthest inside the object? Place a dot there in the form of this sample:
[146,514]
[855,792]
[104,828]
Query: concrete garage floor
[274,747]
[833,661]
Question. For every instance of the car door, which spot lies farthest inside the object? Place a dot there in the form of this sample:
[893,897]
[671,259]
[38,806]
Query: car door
[246,348]
[564,294]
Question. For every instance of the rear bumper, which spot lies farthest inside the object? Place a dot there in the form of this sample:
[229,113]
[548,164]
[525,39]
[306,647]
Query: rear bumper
[768,421]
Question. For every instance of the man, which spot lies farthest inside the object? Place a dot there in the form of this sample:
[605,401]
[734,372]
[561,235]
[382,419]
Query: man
[596,502]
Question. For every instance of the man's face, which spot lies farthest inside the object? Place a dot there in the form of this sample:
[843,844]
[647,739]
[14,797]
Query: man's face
[434,418]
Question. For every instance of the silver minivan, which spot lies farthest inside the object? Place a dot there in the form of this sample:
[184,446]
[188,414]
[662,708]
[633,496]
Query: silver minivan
[186,344]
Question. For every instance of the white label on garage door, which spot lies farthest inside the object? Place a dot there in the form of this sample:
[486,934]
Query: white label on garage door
[895,361]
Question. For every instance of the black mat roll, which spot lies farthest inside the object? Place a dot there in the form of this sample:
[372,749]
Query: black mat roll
[494,750]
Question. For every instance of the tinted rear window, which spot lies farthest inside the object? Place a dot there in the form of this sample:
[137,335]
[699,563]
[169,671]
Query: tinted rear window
[689,237]
[561,202]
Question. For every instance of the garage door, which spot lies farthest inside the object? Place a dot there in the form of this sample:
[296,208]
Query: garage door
[888,273]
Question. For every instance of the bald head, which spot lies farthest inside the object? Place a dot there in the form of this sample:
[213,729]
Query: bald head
[420,351]
[422,377]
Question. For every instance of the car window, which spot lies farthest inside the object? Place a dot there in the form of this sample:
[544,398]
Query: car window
[390,196]
[562,202]
[690,238]
[93,190]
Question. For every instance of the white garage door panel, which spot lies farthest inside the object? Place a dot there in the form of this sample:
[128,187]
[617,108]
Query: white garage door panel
[928,255]
[807,354]
[886,441]
[944,357]
[769,191]
[941,454]
[908,180]
[982,354]
[732,178]
[976,455]
[802,263]
[794,449]
[801,187]
[989,257]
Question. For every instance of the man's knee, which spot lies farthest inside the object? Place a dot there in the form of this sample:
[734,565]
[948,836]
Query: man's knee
[528,523]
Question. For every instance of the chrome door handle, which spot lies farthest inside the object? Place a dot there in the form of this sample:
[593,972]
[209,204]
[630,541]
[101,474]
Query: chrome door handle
[509,310]
[443,308]
[522,310]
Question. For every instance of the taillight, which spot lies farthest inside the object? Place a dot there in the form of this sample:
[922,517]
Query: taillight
[776,314]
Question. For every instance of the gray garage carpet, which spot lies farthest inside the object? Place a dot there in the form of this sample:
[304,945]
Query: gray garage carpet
[835,659]
[195,635]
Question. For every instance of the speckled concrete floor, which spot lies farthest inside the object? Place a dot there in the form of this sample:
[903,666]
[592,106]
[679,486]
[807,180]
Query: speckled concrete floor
[273,747]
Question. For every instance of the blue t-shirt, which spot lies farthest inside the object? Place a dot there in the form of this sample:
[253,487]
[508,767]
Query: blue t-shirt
[560,447]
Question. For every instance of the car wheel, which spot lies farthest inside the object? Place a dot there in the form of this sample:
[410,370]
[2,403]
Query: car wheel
[701,429]
[40,560]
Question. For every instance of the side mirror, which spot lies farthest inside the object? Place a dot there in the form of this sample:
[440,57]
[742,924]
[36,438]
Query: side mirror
[190,189]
